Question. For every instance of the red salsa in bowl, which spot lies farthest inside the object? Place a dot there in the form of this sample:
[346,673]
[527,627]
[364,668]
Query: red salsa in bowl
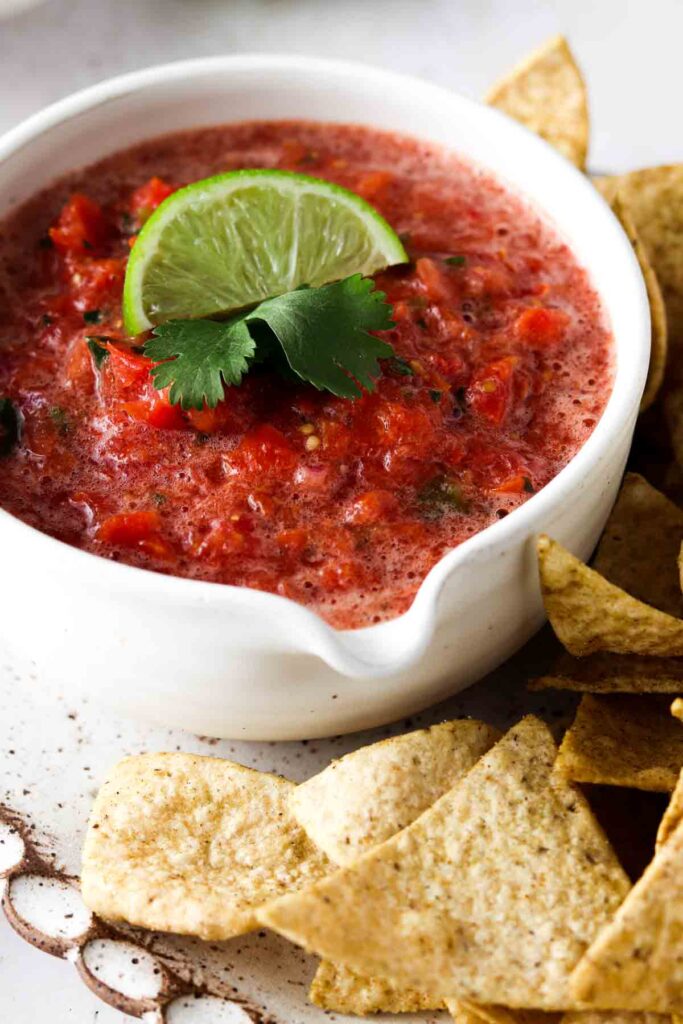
[502,367]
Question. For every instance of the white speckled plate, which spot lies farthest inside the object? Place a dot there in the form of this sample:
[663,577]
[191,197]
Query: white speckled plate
[53,756]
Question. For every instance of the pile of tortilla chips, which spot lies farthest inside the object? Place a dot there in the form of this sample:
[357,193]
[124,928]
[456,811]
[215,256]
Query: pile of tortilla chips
[452,868]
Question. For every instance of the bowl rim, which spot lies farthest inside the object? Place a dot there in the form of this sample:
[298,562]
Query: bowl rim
[349,651]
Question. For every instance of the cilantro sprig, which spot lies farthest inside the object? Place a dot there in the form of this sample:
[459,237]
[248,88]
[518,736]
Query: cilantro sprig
[323,334]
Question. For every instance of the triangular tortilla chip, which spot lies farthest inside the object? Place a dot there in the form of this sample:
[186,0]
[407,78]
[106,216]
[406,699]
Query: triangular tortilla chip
[589,614]
[614,1017]
[654,198]
[673,815]
[363,799]
[658,343]
[491,895]
[470,1013]
[342,990]
[613,673]
[636,962]
[547,94]
[623,741]
[476,1013]
[640,545]
[369,795]
[190,844]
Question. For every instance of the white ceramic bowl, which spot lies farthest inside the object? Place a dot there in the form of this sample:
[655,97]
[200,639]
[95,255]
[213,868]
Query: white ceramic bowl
[228,661]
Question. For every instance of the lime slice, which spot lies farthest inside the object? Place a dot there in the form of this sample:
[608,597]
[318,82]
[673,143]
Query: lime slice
[238,238]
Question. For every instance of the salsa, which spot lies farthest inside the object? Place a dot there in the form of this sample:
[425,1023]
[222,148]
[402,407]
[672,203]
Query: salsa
[502,367]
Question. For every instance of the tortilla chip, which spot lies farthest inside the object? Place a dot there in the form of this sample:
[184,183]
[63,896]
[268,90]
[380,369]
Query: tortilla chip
[654,199]
[367,796]
[639,548]
[677,709]
[342,990]
[614,673]
[500,1014]
[589,614]
[491,895]
[189,844]
[673,411]
[546,93]
[658,346]
[623,741]
[673,815]
[614,1017]
[636,961]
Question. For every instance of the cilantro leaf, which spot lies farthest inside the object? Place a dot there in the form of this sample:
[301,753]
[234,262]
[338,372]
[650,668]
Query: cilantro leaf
[324,333]
[203,355]
[321,335]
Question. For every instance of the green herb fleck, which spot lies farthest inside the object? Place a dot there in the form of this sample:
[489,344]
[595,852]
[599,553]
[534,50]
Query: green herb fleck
[400,366]
[127,224]
[99,353]
[92,316]
[455,261]
[201,438]
[322,332]
[441,495]
[46,320]
[11,426]
[528,486]
[60,419]
[158,498]
[435,397]
[422,323]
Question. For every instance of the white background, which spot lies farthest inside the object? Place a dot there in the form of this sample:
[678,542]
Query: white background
[630,51]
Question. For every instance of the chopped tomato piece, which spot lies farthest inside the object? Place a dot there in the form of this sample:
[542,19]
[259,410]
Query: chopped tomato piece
[141,530]
[226,537]
[541,327]
[491,390]
[434,279]
[516,484]
[263,450]
[371,507]
[81,227]
[294,541]
[375,184]
[94,282]
[156,410]
[145,199]
[128,368]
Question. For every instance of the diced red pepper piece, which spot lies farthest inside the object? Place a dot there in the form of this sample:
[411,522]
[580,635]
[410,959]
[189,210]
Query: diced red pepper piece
[135,530]
[81,227]
[541,327]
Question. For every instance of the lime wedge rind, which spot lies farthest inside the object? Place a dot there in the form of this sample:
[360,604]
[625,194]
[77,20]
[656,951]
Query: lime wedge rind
[237,238]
